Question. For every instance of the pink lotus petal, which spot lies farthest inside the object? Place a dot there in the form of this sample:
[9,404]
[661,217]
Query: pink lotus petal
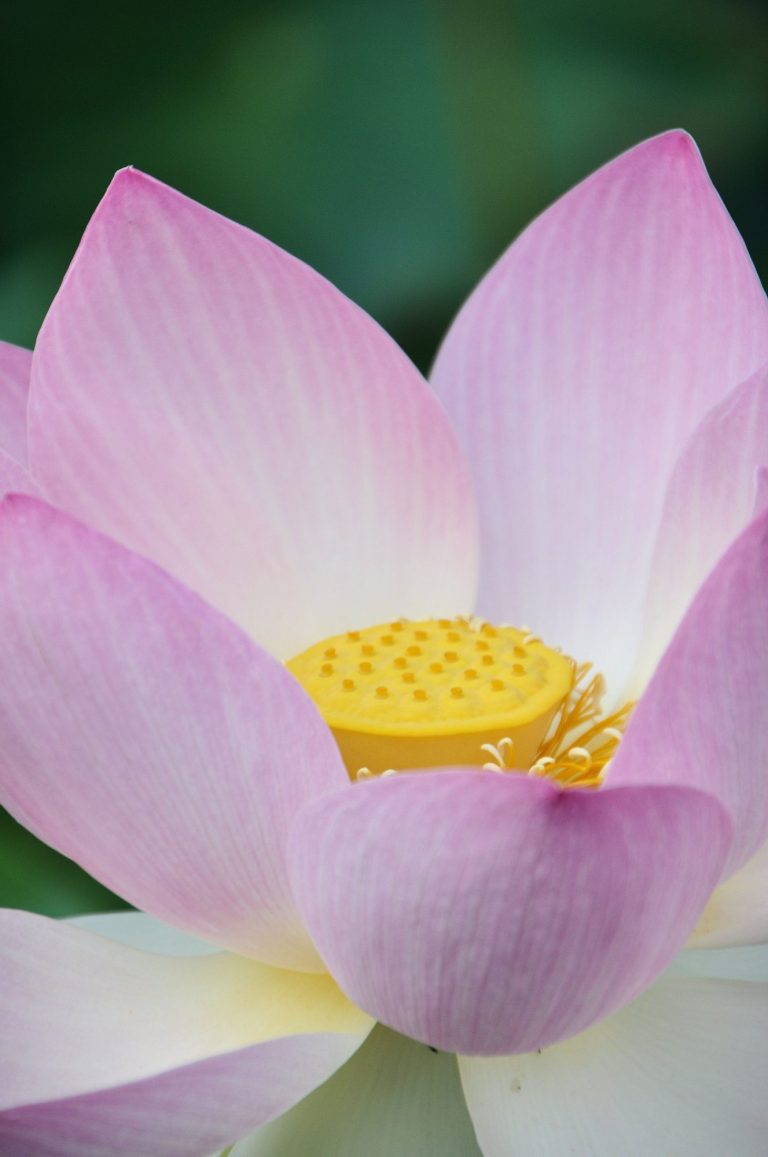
[146,737]
[737,913]
[15,364]
[14,479]
[109,1051]
[760,490]
[575,373]
[681,1071]
[216,405]
[494,914]
[710,499]
[702,722]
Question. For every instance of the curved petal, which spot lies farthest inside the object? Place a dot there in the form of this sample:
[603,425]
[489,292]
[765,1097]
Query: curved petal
[737,913]
[14,479]
[711,497]
[702,720]
[682,1070]
[15,365]
[574,374]
[213,403]
[145,736]
[111,1051]
[492,914]
[392,1097]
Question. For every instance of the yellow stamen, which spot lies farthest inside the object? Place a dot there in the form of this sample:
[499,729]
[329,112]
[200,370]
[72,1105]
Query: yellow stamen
[581,741]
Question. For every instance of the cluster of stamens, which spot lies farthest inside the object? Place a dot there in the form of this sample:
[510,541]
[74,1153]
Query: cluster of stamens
[580,743]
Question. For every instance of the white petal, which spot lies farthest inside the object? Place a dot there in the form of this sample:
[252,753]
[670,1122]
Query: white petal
[679,1073]
[393,1098]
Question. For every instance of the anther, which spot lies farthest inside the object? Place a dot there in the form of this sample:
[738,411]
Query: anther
[420,694]
[387,640]
[497,684]
[348,684]
[457,693]
[409,677]
[326,669]
[365,668]
[450,656]
[470,673]
[367,649]
[382,693]
[401,664]
[330,653]
[436,668]
[413,650]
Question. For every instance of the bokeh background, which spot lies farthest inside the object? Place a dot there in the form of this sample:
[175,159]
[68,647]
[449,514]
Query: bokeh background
[398,147]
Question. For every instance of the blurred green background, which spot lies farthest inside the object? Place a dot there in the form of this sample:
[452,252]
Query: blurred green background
[398,147]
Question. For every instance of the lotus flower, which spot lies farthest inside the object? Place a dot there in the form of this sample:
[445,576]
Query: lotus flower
[445,710]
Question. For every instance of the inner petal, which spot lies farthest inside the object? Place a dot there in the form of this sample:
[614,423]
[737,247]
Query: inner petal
[436,692]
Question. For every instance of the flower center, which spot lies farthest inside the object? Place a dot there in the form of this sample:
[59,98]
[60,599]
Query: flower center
[443,692]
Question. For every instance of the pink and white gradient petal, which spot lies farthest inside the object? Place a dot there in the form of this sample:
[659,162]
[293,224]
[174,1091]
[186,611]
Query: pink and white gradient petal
[702,721]
[147,737]
[681,1070]
[15,365]
[210,401]
[151,1054]
[393,1098]
[491,914]
[575,373]
[737,913]
[711,497]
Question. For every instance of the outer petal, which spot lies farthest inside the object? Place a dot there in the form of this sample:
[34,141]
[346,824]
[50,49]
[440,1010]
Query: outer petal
[574,374]
[738,911]
[146,737]
[761,489]
[392,1097]
[492,914]
[15,364]
[711,497]
[681,1071]
[702,720]
[110,1051]
[13,477]
[215,404]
